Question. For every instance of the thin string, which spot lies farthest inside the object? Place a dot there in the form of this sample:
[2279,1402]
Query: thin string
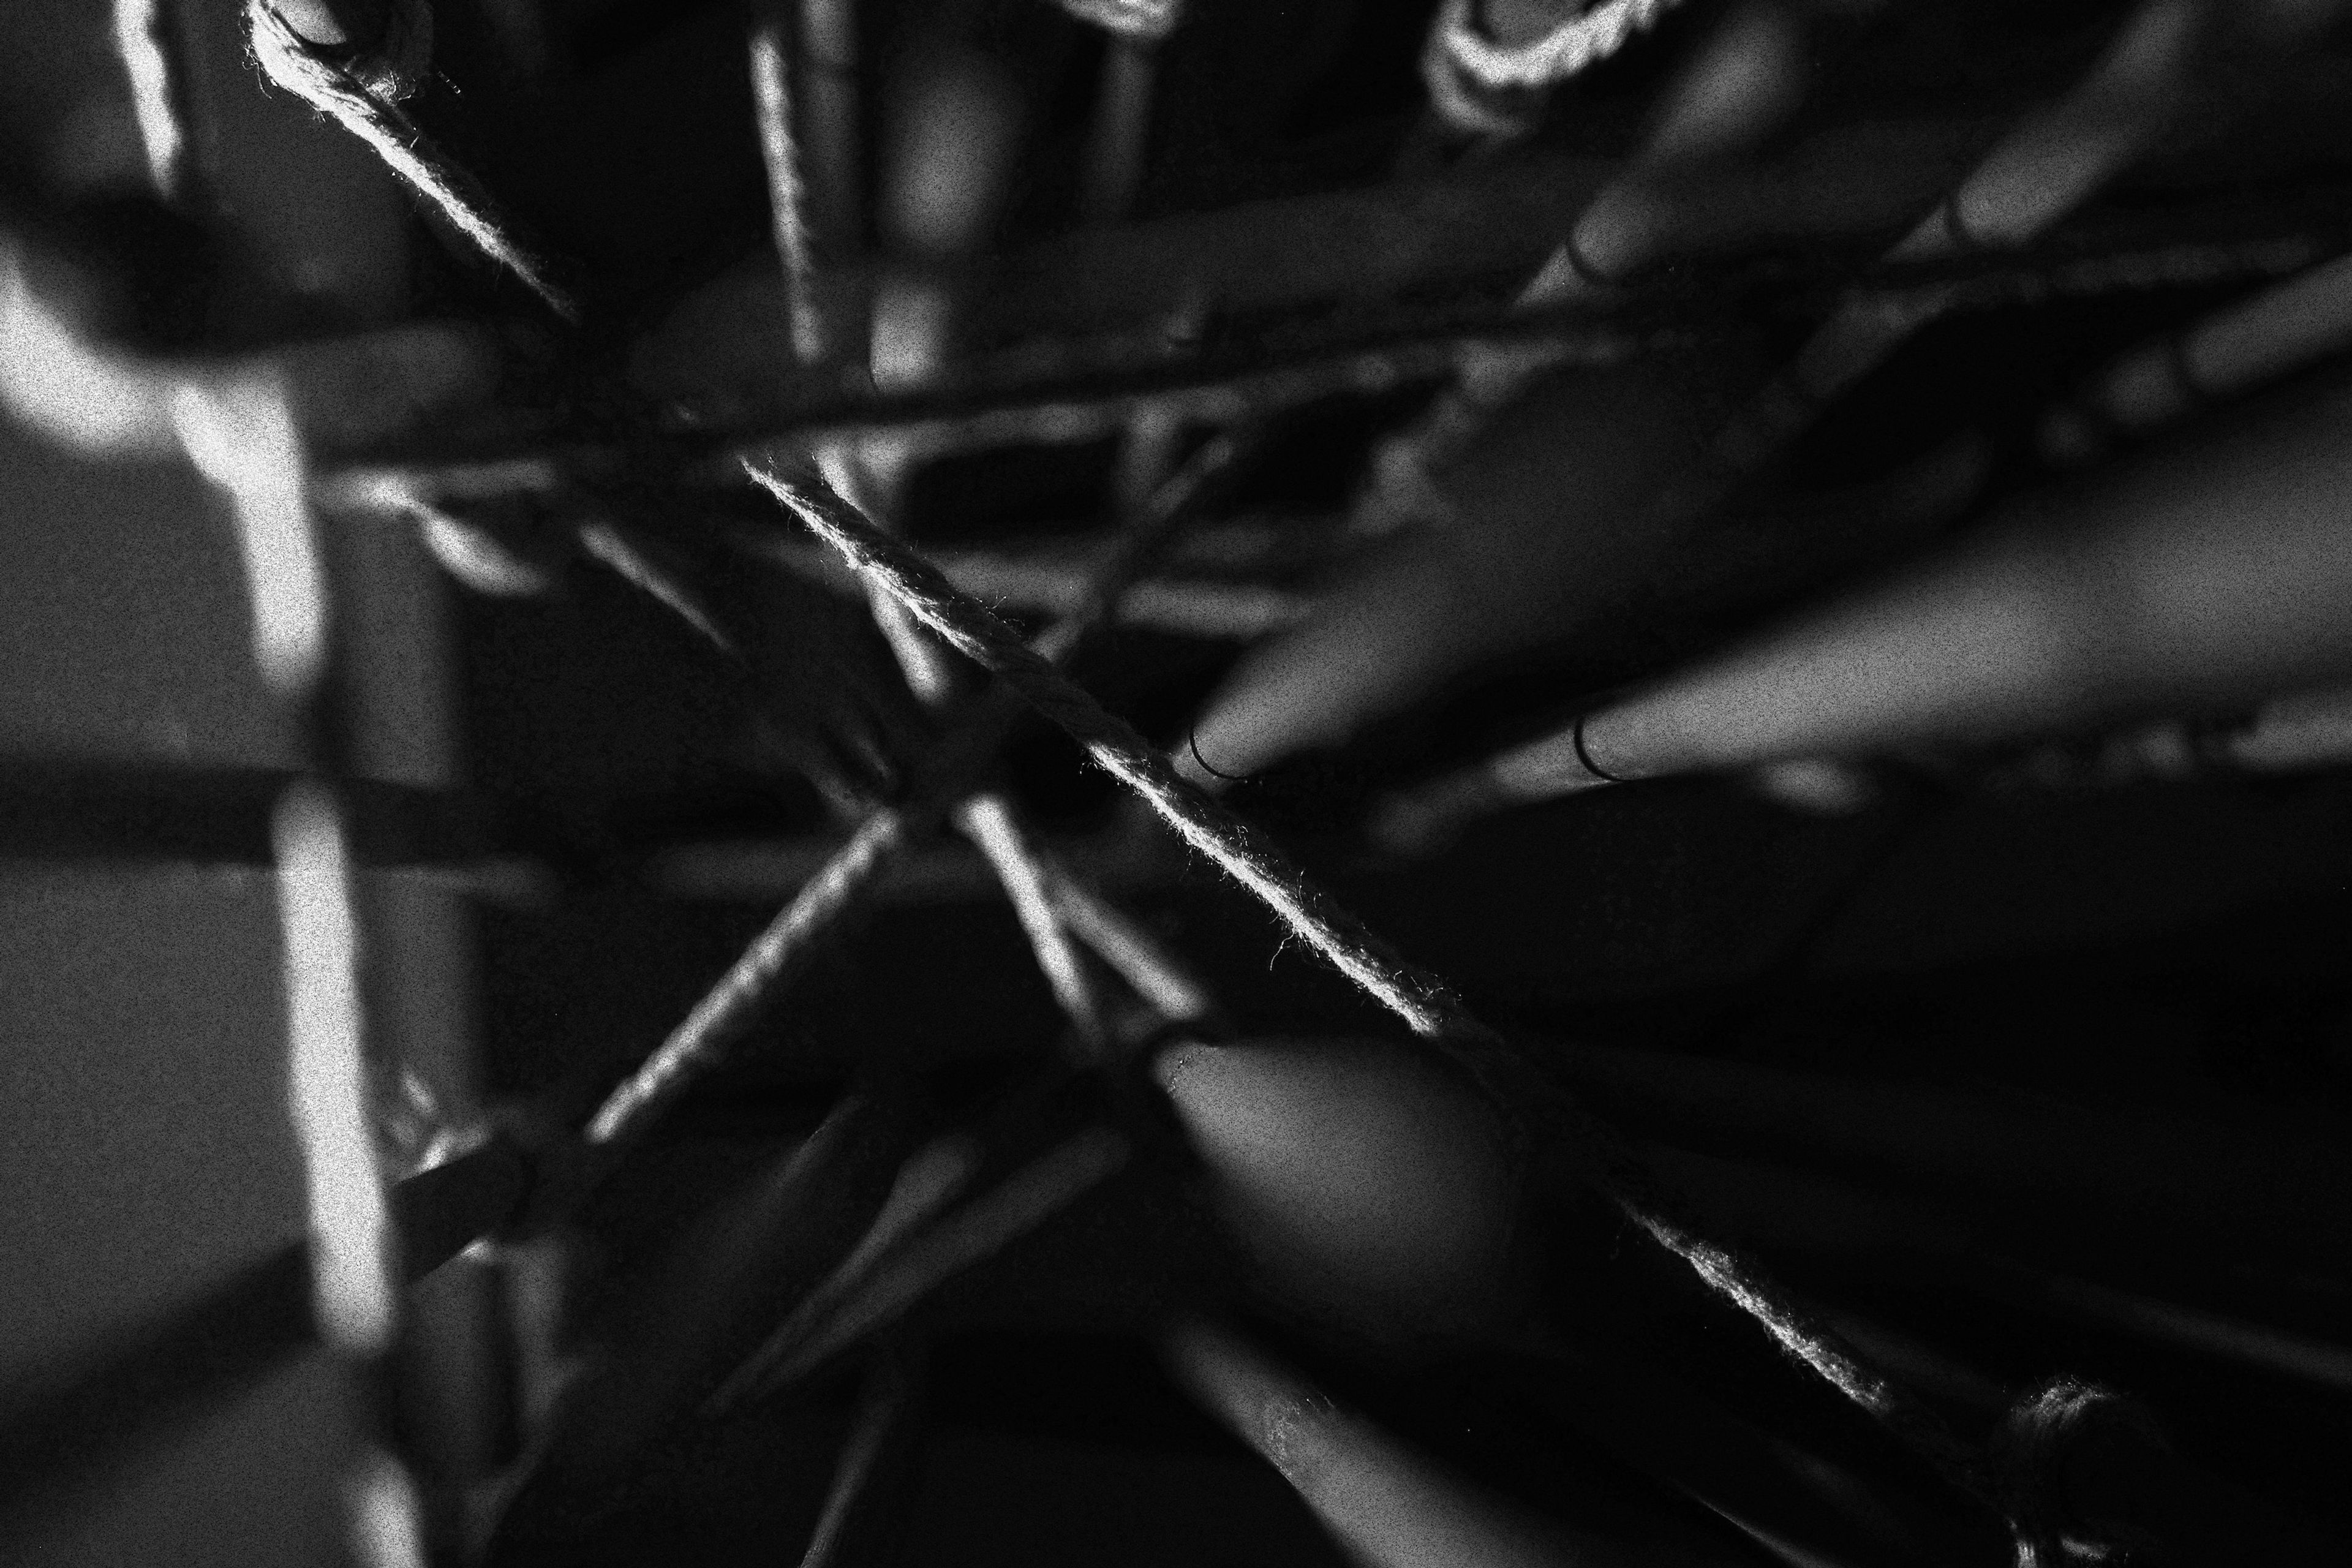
[1471,78]
[1150,971]
[1422,999]
[989,820]
[849,880]
[991,823]
[777,956]
[344,94]
[1067,402]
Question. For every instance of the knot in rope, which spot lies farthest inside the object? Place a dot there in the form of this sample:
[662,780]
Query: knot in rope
[1145,21]
[389,70]
[1495,89]
[2029,1453]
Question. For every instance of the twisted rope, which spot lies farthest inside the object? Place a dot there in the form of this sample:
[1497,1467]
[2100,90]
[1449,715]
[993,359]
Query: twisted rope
[362,94]
[1473,80]
[788,192]
[1422,1000]
[850,879]
[778,955]
[1425,1001]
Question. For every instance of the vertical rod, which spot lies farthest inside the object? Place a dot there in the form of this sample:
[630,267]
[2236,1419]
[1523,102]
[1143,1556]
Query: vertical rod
[240,434]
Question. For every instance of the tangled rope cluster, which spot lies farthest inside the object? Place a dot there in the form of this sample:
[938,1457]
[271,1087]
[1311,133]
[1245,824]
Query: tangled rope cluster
[1424,1001]
[1480,85]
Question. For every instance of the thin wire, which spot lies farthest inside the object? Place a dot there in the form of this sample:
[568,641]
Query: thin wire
[787,189]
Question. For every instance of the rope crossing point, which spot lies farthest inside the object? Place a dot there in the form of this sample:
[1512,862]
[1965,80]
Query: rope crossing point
[1422,999]
[850,879]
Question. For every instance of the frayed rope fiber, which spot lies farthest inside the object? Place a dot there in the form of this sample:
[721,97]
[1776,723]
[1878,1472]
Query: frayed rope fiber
[2030,1452]
[1422,1000]
[362,93]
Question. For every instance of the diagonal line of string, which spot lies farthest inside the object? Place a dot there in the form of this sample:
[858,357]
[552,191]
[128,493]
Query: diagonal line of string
[989,820]
[295,63]
[849,880]
[1424,1000]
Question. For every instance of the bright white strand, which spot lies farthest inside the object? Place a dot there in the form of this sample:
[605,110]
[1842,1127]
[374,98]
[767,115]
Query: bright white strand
[240,434]
[787,190]
[352,1239]
[1585,39]
[368,111]
[138,39]
[988,820]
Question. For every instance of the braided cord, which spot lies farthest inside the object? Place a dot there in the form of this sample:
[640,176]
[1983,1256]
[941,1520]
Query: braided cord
[362,96]
[1425,1001]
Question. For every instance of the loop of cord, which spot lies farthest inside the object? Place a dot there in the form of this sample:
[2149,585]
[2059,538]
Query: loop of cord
[1143,21]
[1422,999]
[335,88]
[1582,40]
[2029,1453]
[396,64]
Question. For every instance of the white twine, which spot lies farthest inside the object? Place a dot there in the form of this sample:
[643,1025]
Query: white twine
[1462,68]
[363,95]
